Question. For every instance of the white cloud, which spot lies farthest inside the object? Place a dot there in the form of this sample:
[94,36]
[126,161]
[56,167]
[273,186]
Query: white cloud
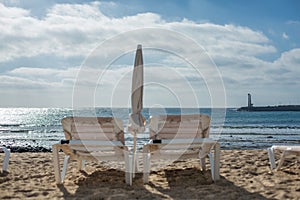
[226,39]
[43,78]
[293,22]
[13,12]
[74,30]
[289,61]
[10,82]
[285,36]
[35,72]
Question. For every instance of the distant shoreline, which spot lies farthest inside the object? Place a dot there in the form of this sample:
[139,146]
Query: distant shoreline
[251,108]
[270,108]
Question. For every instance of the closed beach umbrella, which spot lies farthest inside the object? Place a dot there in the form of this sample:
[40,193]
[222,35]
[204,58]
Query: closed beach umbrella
[136,120]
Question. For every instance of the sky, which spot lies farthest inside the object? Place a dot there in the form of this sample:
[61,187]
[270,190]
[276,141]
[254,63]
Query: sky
[196,52]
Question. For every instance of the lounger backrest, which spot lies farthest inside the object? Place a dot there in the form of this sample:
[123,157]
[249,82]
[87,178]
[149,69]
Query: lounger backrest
[93,128]
[179,126]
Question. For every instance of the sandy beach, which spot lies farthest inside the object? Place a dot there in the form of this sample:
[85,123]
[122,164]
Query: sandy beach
[245,174]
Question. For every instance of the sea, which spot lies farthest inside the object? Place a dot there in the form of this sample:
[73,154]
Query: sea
[37,129]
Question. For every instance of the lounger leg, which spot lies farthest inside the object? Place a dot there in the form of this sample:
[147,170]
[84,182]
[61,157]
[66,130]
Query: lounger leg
[81,164]
[128,168]
[137,162]
[146,163]
[212,165]
[55,150]
[285,153]
[63,173]
[271,158]
[202,163]
[216,163]
[6,159]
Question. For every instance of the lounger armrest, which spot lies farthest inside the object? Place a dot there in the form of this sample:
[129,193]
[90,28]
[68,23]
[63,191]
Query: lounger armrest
[184,141]
[149,142]
[95,143]
[64,141]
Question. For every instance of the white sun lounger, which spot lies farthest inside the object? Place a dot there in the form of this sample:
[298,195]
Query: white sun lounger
[92,138]
[286,150]
[6,158]
[181,137]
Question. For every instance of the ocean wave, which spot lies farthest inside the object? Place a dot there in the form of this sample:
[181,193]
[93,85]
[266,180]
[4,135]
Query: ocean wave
[255,133]
[11,125]
[257,127]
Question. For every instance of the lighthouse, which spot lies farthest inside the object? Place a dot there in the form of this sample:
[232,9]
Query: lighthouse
[249,102]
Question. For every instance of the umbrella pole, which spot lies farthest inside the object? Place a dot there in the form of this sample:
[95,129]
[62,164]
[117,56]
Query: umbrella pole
[134,154]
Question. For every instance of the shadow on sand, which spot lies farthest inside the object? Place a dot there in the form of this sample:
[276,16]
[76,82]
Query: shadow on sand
[192,183]
[189,183]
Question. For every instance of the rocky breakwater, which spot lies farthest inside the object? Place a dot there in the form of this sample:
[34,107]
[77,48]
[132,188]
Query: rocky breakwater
[24,147]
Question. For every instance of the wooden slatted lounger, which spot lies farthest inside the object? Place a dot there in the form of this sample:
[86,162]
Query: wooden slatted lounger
[92,138]
[181,137]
